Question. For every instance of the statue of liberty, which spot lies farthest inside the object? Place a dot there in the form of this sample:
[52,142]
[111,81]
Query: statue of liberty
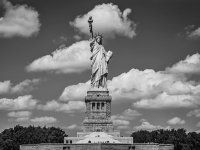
[100,58]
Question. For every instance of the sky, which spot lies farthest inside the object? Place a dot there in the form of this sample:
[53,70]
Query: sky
[154,74]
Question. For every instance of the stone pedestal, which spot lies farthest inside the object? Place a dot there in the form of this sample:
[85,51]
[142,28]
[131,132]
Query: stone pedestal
[98,112]
[97,125]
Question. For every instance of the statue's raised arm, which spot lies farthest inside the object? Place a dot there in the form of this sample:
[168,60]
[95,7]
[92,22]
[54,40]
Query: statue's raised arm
[100,58]
[90,21]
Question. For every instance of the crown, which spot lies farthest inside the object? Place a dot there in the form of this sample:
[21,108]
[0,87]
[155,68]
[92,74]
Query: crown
[98,35]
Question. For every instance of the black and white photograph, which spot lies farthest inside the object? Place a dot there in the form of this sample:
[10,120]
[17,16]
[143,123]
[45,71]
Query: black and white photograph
[99,74]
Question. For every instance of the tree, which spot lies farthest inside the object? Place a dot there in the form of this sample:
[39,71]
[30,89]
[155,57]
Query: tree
[179,138]
[10,139]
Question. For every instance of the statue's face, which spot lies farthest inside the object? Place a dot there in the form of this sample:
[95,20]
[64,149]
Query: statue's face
[98,40]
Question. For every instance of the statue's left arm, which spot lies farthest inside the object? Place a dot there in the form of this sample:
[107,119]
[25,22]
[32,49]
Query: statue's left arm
[109,54]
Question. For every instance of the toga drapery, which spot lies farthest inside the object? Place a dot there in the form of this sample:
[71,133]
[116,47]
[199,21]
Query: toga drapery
[99,65]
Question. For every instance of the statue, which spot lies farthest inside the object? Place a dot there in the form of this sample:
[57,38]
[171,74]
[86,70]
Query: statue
[100,58]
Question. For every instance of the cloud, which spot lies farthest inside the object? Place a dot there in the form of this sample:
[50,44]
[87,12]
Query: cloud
[192,32]
[128,114]
[190,65]
[164,100]
[146,88]
[44,120]
[195,33]
[122,121]
[145,125]
[60,40]
[72,59]
[19,20]
[20,103]
[20,116]
[133,85]
[72,127]
[176,121]
[108,19]
[195,113]
[175,90]
[6,87]
[136,84]
[25,86]
[77,37]
[22,119]
[69,107]
[75,92]
[197,131]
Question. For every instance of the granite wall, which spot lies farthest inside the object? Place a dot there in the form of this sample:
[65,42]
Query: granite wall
[97,146]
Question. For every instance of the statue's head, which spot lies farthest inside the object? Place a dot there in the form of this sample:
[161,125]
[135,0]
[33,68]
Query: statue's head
[99,38]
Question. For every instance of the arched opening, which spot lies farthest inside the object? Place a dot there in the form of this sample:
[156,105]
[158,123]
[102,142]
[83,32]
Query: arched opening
[102,106]
[93,106]
[98,106]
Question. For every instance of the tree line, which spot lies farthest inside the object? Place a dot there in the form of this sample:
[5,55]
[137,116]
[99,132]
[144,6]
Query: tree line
[179,138]
[10,139]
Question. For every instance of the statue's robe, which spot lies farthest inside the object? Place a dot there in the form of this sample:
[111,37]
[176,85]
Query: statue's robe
[99,65]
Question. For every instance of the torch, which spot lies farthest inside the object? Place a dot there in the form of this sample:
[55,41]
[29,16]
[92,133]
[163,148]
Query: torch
[90,25]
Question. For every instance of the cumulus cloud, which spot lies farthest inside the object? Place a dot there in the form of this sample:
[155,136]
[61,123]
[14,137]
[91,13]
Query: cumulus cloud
[128,114]
[72,127]
[77,37]
[190,65]
[134,84]
[148,88]
[164,100]
[195,33]
[152,89]
[75,92]
[20,103]
[60,40]
[25,86]
[176,121]
[69,107]
[177,90]
[119,122]
[108,19]
[22,119]
[192,32]
[145,125]
[44,120]
[6,87]
[20,116]
[122,121]
[19,20]
[195,113]
[72,59]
